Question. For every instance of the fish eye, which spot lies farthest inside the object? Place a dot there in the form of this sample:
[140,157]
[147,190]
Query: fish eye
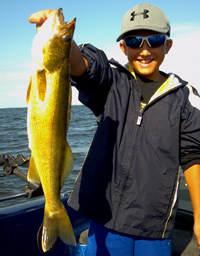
[67,38]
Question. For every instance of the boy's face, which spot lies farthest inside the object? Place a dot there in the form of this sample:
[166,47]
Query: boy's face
[146,60]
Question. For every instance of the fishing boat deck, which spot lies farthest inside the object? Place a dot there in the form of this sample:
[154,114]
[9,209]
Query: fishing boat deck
[20,224]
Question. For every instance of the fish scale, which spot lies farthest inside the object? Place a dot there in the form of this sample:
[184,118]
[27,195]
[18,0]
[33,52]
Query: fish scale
[49,107]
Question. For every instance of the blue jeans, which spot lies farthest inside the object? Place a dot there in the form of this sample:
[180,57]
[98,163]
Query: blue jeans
[107,242]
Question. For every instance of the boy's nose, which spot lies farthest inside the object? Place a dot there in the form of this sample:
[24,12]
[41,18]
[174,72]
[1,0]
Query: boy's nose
[145,49]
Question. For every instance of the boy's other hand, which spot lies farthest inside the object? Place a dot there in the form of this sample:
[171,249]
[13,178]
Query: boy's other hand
[39,17]
[197,231]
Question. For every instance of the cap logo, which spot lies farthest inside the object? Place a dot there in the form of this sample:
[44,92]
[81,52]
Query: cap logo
[145,16]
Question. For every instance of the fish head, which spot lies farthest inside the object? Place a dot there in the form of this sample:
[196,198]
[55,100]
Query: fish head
[52,45]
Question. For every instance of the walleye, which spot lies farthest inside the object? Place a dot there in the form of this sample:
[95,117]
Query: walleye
[49,107]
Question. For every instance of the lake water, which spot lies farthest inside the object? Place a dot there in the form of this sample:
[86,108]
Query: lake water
[14,141]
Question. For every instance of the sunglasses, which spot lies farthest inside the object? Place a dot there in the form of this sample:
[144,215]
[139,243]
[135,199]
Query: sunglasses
[153,41]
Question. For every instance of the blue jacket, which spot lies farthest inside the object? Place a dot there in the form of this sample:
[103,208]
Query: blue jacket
[129,181]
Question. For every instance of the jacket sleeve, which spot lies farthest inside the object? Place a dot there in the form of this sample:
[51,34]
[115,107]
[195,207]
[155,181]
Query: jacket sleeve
[190,130]
[95,83]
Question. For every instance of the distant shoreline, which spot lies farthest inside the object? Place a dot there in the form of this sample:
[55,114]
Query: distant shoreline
[27,106]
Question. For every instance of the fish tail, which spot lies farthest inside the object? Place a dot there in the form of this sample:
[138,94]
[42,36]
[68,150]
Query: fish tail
[57,224]
[66,232]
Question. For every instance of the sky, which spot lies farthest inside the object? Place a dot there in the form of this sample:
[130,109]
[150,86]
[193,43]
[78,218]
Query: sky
[98,23]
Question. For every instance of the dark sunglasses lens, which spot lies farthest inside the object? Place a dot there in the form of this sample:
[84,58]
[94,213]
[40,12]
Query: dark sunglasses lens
[156,41]
[133,42]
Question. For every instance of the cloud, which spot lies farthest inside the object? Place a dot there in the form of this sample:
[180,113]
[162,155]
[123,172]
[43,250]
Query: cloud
[13,88]
[183,59]
[13,76]
[184,29]
[28,65]
[75,100]
[113,51]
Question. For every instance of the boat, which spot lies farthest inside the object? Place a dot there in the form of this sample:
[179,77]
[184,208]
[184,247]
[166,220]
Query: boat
[19,224]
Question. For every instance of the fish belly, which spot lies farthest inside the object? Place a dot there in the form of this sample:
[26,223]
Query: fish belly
[51,157]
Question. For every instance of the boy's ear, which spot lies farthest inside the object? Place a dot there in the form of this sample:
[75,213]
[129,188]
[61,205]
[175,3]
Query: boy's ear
[123,47]
[169,44]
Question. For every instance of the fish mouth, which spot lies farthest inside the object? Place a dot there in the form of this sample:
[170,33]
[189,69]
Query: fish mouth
[61,25]
[60,19]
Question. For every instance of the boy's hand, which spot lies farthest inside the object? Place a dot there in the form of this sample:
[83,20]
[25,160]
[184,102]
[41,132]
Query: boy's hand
[78,64]
[40,17]
[197,231]
[192,177]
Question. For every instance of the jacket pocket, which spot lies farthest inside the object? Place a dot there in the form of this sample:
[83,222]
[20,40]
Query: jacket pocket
[168,192]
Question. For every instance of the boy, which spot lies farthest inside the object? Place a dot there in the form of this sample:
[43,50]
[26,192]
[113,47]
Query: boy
[149,125]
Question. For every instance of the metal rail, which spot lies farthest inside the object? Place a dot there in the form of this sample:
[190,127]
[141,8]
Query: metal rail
[13,196]
[10,166]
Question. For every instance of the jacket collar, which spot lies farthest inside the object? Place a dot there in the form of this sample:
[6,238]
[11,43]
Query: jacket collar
[170,84]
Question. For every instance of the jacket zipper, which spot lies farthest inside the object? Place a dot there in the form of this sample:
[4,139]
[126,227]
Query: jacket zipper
[139,119]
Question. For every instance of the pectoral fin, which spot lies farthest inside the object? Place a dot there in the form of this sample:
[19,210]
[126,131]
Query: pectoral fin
[33,175]
[68,164]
